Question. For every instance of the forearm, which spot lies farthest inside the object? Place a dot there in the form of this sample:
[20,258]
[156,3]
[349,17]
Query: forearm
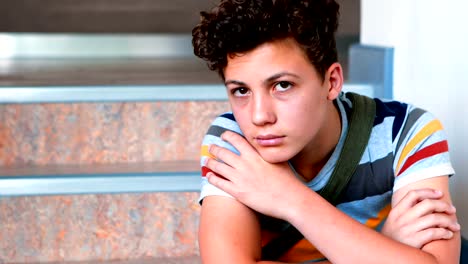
[342,239]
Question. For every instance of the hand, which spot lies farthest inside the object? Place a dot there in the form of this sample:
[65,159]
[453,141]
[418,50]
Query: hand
[421,217]
[262,186]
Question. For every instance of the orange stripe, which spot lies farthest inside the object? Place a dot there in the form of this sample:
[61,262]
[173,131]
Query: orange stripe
[301,252]
[304,250]
[375,221]
[205,152]
[427,130]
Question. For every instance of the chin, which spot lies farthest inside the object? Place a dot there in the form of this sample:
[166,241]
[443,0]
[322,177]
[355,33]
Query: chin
[275,156]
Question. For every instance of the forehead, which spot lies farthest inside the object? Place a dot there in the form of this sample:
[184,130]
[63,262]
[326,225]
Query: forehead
[267,59]
[274,49]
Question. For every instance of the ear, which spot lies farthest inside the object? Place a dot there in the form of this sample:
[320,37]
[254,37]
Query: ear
[334,78]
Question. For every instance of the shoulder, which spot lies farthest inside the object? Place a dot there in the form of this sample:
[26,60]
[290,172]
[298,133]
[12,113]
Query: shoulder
[422,149]
[416,139]
[396,119]
[220,124]
[390,114]
[224,119]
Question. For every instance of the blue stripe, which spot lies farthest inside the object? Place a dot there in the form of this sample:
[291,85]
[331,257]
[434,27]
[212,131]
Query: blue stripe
[392,108]
[366,208]
[229,116]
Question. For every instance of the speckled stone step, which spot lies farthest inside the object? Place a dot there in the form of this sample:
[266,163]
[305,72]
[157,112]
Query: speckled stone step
[96,133]
[110,140]
[181,260]
[38,229]
[86,227]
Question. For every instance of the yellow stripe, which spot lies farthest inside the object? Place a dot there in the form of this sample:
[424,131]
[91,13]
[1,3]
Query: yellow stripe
[205,152]
[429,129]
[375,222]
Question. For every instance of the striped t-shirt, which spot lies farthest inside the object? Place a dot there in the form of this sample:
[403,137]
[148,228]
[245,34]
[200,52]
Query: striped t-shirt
[407,144]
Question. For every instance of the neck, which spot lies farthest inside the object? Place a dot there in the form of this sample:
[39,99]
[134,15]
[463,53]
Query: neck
[311,160]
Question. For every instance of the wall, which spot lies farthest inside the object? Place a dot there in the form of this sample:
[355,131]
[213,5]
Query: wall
[349,17]
[101,16]
[430,70]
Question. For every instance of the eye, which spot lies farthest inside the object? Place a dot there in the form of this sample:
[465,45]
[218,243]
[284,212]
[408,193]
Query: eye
[241,91]
[283,86]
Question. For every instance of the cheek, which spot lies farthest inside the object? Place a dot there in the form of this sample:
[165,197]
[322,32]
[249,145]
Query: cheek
[242,118]
[294,112]
[303,117]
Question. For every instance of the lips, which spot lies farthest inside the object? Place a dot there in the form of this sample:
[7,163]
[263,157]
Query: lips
[269,140]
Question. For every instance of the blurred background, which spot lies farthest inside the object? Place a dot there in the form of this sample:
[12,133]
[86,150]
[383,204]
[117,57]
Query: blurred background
[117,29]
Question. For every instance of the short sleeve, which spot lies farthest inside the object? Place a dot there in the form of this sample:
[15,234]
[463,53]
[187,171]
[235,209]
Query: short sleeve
[222,123]
[422,151]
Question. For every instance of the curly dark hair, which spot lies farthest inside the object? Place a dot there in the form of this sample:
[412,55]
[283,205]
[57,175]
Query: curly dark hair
[237,26]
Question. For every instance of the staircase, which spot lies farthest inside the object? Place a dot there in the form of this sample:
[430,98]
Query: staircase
[99,158]
[99,151]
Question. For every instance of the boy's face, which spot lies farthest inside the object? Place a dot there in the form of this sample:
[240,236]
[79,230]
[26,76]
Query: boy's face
[278,99]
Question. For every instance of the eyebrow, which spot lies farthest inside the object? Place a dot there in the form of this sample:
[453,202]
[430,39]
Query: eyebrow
[234,82]
[267,81]
[279,75]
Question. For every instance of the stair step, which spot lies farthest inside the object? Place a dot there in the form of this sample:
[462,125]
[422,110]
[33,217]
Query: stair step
[104,227]
[167,176]
[105,71]
[175,260]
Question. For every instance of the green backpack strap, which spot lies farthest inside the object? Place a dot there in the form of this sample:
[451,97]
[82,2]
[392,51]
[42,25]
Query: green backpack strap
[360,127]
[359,131]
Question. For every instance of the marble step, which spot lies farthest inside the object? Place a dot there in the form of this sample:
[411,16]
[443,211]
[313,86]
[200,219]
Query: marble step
[181,260]
[104,227]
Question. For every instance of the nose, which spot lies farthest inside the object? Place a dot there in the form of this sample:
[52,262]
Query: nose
[263,110]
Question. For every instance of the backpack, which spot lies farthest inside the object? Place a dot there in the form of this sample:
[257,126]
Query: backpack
[360,127]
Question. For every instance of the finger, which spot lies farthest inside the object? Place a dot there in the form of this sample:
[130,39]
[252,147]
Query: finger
[429,206]
[414,196]
[223,154]
[239,142]
[220,182]
[432,234]
[436,220]
[219,168]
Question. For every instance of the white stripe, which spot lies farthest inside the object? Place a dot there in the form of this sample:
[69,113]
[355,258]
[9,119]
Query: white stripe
[227,123]
[209,190]
[378,147]
[423,174]
[210,140]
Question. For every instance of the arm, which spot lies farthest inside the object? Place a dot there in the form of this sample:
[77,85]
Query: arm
[229,232]
[337,232]
[262,187]
[420,216]
[446,250]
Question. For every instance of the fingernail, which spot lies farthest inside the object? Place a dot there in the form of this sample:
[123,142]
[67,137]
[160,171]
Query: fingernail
[439,192]
[449,234]
[454,208]
[457,226]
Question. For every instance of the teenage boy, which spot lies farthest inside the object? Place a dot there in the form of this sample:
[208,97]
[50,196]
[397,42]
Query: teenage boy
[270,157]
